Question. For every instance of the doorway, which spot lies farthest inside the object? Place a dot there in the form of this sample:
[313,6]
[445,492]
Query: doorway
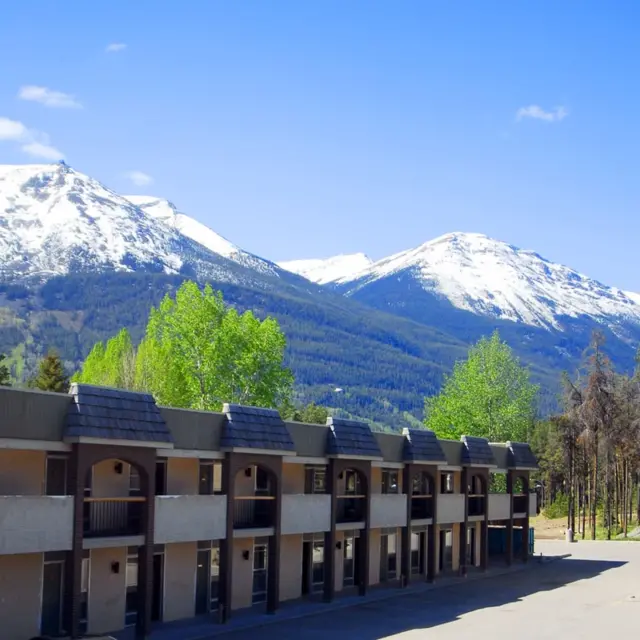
[52,596]
[471,545]
[446,550]
[260,572]
[158,586]
[418,551]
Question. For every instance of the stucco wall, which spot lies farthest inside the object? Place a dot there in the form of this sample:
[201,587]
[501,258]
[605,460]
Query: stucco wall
[22,473]
[374,557]
[242,588]
[245,486]
[388,510]
[107,590]
[499,506]
[30,524]
[182,476]
[292,478]
[180,580]
[305,513]
[20,595]
[290,567]
[107,483]
[450,508]
[190,518]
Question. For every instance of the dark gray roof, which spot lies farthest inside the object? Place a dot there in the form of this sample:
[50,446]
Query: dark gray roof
[521,456]
[254,428]
[114,414]
[422,445]
[351,438]
[476,451]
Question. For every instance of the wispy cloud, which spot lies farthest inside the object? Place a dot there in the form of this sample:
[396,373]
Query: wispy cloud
[48,97]
[34,143]
[139,178]
[115,47]
[538,113]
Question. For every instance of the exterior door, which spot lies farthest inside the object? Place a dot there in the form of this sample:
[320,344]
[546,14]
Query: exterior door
[56,484]
[158,584]
[446,550]
[260,569]
[202,581]
[471,545]
[51,614]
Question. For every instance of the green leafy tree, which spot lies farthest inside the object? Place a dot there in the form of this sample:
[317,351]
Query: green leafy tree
[110,365]
[51,375]
[5,374]
[488,395]
[310,413]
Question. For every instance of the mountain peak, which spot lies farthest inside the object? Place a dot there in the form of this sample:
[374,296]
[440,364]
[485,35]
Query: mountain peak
[325,270]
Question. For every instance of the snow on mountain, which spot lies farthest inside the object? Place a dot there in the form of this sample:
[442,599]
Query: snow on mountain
[323,271]
[496,279]
[54,220]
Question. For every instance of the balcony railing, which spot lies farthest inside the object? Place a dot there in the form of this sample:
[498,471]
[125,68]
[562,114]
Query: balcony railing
[254,512]
[113,517]
[421,507]
[351,509]
[520,504]
[477,506]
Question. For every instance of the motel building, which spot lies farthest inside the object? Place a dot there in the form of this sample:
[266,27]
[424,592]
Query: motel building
[117,513]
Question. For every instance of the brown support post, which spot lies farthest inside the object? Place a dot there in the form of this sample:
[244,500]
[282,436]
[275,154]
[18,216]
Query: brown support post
[273,573]
[330,536]
[510,521]
[145,556]
[405,555]
[432,558]
[484,531]
[365,554]
[73,567]
[226,545]
[463,526]
[525,520]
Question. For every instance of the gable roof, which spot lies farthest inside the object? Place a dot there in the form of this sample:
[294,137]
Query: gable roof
[351,438]
[255,428]
[521,456]
[477,452]
[422,445]
[114,414]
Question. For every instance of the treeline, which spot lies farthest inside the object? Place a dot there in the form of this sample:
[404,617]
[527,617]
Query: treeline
[590,452]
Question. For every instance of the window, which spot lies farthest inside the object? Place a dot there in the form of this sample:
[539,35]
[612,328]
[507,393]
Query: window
[210,482]
[131,611]
[259,573]
[262,484]
[315,480]
[421,485]
[348,566]
[56,476]
[351,483]
[134,482]
[161,477]
[446,482]
[317,564]
[214,575]
[390,481]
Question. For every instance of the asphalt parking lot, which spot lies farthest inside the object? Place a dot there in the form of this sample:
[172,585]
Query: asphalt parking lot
[593,593]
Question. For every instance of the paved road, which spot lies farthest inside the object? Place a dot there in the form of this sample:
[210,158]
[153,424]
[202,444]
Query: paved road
[591,595]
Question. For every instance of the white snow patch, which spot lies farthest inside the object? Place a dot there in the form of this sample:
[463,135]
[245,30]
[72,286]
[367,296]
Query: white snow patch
[323,271]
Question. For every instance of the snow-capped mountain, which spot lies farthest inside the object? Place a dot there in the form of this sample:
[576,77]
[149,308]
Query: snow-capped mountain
[323,271]
[495,279]
[55,220]
[167,212]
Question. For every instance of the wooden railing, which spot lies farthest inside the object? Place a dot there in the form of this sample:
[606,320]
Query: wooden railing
[421,507]
[109,517]
[254,512]
[351,508]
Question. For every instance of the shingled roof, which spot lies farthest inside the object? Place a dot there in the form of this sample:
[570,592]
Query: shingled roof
[422,445]
[351,438]
[477,452]
[114,414]
[521,456]
[255,428]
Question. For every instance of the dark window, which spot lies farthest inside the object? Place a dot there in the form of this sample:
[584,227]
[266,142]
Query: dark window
[446,482]
[134,482]
[210,478]
[131,611]
[315,480]
[352,483]
[263,485]
[421,485]
[56,476]
[161,477]
[259,573]
[390,481]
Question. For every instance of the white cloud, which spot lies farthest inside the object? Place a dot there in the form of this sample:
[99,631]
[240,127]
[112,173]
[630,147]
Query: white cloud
[115,47]
[12,129]
[538,113]
[48,97]
[34,143]
[139,178]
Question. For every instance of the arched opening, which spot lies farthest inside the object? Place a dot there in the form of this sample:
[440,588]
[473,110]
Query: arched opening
[255,497]
[114,499]
[476,490]
[352,496]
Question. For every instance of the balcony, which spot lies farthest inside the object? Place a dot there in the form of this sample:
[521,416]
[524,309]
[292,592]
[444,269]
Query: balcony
[113,517]
[388,510]
[189,518]
[254,512]
[351,509]
[520,504]
[421,507]
[305,513]
[450,508]
[499,506]
[476,506]
[35,524]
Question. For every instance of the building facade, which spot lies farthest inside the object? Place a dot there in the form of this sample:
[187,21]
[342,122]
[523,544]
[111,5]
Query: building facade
[115,512]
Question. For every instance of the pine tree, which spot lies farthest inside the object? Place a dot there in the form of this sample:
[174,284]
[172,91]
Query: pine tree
[5,376]
[51,375]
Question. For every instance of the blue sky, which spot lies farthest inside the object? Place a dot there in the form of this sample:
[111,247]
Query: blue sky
[311,128]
